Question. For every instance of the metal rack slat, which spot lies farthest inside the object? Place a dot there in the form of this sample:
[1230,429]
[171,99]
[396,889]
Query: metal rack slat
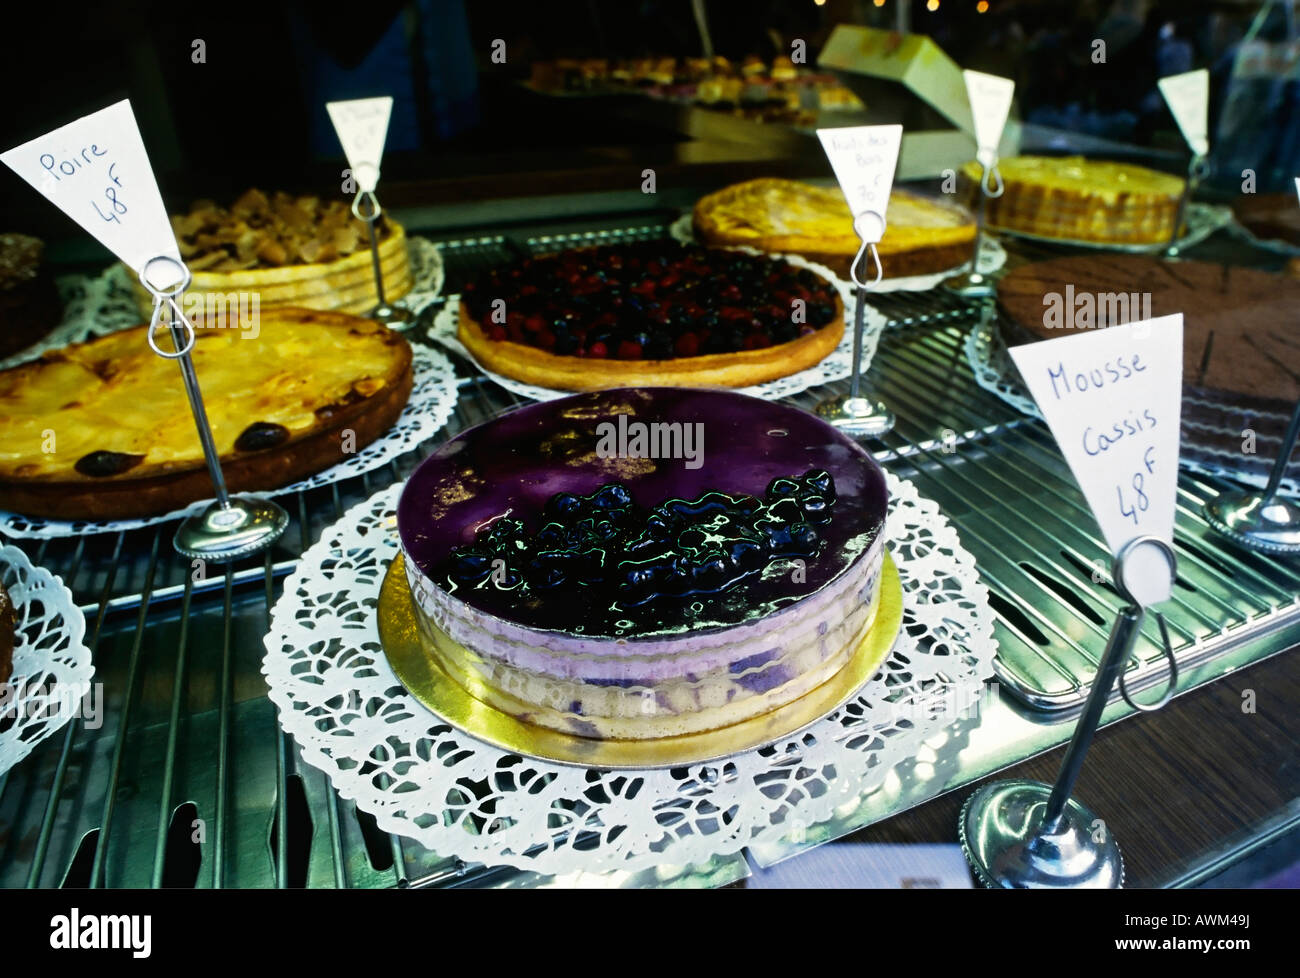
[226,694]
[124,731]
[1005,488]
[173,733]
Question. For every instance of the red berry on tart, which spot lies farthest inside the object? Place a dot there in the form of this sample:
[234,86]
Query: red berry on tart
[651,313]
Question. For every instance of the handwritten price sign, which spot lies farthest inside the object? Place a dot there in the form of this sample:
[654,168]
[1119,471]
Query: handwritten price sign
[1188,96]
[97,172]
[864,159]
[1113,399]
[990,102]
[362,127]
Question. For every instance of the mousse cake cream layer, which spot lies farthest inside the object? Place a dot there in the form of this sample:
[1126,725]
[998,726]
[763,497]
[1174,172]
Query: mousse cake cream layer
[670,666]
[630,688]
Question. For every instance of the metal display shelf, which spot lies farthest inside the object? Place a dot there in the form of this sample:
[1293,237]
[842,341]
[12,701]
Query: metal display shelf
[188,747]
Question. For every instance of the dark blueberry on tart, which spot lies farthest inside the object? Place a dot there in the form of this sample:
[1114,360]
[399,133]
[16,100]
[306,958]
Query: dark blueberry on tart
[655,311]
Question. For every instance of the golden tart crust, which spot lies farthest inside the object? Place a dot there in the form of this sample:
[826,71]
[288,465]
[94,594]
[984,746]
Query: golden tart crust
[791,217]
[741,368]
[1083,200]
[102,430]
[290,250]
[344,285]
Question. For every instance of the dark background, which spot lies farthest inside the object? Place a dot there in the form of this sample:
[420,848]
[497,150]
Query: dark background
[252,114]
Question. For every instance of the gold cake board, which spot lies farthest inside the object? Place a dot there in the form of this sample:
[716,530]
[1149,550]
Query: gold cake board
[425,679]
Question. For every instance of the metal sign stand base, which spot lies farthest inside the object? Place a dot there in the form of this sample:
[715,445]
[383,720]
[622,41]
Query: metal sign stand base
[1029,835]
[232,526]
[1000,835]
[854,412]
[974,284]
[1262,520]
[397,318]
[1197,170]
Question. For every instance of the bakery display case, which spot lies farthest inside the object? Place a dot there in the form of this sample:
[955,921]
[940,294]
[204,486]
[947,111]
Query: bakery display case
[580,583]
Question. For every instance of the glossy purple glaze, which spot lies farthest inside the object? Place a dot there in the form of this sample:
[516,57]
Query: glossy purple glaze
[516,462]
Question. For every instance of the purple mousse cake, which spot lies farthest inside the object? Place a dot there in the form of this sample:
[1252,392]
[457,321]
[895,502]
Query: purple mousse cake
[645,562]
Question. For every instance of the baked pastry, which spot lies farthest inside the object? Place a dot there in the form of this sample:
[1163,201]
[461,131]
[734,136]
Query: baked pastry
[29,301]
[1082,200]
[1270,217]
[922,235]
[1248,312]
[102,430]
[629,594]
[289,251]
[654,313]
[1241,353]
[8,621]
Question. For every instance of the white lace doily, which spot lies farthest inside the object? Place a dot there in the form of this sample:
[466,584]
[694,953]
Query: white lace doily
[52,667]
[837,364]
[992,258]
[104,304]
[419,777]
[995,372]
[433,398]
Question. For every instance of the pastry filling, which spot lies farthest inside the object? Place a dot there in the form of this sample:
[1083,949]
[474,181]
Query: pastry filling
[604,552]
[654,300]
[258,231]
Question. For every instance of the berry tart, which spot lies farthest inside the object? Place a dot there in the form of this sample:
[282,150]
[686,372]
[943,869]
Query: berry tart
[614,593]
[922,235]
[655,313]
[102,430]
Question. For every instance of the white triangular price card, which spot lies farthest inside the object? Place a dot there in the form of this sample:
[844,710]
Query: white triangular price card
[990,103]
[362,127]
[97,172]
[1188,96]
[864,158]
[1113,399]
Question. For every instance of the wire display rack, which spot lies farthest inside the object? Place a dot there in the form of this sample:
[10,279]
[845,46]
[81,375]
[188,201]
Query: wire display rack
[185,779]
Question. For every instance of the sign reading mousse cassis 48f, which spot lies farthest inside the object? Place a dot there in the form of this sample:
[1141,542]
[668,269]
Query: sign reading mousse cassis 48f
[1113,399]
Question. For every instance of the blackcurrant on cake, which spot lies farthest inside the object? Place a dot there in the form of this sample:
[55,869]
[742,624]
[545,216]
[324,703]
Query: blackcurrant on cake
[644,563]
[653,313]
